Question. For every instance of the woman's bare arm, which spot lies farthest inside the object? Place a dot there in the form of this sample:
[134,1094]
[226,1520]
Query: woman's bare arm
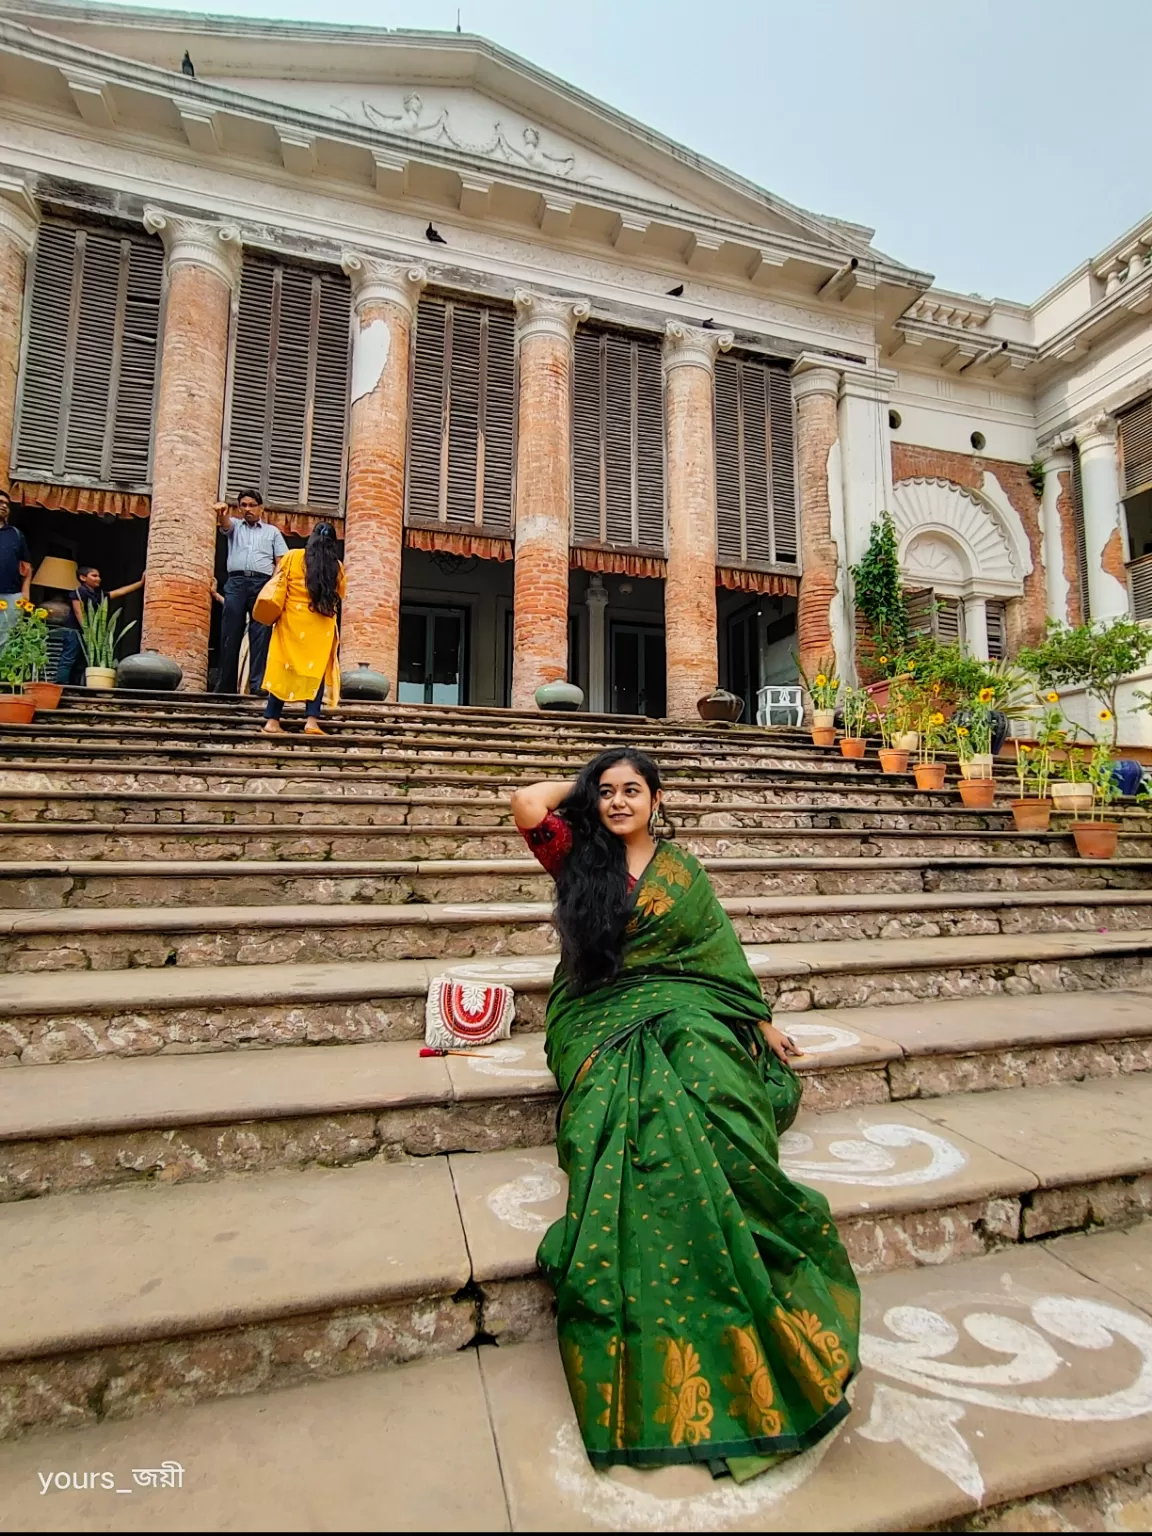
[531,805]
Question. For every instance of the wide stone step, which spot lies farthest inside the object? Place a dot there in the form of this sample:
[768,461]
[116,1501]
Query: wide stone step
[74,883]
[109,939]
[61,1015]
[311,1454]
[178,1117]
[260,841]
[129,1300]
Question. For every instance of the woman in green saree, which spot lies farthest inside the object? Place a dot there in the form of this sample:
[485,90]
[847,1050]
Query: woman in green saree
[706,1308]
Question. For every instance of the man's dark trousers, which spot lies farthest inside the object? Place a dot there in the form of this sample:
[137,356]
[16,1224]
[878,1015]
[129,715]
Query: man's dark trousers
[240,592]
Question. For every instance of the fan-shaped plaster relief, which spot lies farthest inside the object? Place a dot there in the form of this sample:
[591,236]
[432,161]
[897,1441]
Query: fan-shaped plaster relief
[952,536]
[462,120]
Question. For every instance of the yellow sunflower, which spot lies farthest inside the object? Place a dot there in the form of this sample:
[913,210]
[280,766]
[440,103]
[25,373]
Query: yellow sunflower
[820,679]
[3,604]
[961,730]
[1053,696]
[937,719]
[911,666]
[883,661]
[936,689]
[986,695]
[1105,714]
[1022,749]
[41,613]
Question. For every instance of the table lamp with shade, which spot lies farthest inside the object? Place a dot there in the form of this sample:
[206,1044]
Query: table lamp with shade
[57,575]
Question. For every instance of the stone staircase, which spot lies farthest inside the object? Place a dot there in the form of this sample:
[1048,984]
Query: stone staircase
[196,1206]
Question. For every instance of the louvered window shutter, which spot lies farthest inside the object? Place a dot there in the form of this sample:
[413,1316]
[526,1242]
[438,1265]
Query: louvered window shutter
[462,419]
[617,442]
[919,609]
[1078,529]
[1136,447]
[755,468]
[948,620]
[89,381]
[287,422]
[997,631]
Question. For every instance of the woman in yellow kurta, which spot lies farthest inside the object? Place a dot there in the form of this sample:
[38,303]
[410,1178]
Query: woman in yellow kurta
[302,655]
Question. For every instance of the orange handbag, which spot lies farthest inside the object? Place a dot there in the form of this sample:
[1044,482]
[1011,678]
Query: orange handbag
[270,604]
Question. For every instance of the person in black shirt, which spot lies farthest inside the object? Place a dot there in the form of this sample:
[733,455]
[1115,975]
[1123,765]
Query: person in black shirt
[15,568]
[89,594]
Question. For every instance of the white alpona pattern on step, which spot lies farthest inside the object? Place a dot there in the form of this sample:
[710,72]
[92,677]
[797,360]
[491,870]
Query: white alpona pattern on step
[819,1038]
[499,1061]
[870,1160]
[928,1429]
[507,1202]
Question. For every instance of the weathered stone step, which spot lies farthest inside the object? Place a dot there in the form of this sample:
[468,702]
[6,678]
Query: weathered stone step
[311,1454]
[73,883]
[179,1117]
[59,1015]
[109,939]
[269,1278]
[84,841]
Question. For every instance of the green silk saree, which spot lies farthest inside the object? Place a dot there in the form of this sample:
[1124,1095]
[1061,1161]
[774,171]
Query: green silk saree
[706,1308]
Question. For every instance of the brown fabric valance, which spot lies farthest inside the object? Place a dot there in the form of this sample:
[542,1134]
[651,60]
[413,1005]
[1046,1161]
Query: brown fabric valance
[614,562]
[301,524]
[736,579]
[80,498]
[438,541]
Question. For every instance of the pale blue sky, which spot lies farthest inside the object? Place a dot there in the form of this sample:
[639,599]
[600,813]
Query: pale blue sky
[996,143]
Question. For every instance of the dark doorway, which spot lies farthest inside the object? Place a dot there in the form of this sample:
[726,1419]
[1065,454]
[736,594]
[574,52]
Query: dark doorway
[639,685]
[433,656]
[744,658]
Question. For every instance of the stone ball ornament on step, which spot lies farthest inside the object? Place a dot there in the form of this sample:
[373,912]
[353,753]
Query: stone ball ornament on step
[149,669]
[363,684]
[720,707]
[559,696]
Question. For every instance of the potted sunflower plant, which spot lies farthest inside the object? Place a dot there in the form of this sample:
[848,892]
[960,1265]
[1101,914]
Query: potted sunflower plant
[1032,812]
[857,709]
[893,723]
[823,690]
[1096,838]
[23,658]
[1071,786]
[971,739]
[930,730]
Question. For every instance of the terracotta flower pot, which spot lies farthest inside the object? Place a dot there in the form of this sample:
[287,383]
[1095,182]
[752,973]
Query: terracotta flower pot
[853,746]
[823,736]
[893,761]
[44,695]
[978,794]
[1067,796]
[16,709]
[1095,839]
[929,775]
[1031,815]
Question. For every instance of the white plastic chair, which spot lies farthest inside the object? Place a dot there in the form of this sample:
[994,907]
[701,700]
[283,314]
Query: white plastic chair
[773,699]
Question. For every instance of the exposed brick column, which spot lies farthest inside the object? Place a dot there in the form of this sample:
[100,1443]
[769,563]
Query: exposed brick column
[384,299]
[17,236]
[816,389]
[545,326]
[1061,576]
[690,585]
[1103,539]
[203,269]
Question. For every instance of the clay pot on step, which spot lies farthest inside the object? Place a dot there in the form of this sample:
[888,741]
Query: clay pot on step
[44,695]
[1095,839]
[16,709]
[823,736]
[853,746]
[1031,815]
[360,684]
[978,794]
[562,696]
[720,707]
[893,761]
[149,669]
[929,775]
[103,678]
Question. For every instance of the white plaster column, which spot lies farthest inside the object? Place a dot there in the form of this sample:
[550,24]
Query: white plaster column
[865,453]
[1055,461]
[976,627]
[596,599]
[1104,543]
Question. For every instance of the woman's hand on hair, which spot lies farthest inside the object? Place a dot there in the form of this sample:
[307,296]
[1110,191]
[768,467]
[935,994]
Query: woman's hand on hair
[778,1042]
[531,804]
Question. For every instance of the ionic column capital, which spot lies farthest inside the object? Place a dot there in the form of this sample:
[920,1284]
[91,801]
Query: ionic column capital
[197,243]
[1096,436]
[1056,457]
[547,314]
[19,216]
[691,346]
[814,376]
[377,280]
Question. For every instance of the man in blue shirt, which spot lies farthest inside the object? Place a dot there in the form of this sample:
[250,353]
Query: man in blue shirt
[255,549]
[15,569]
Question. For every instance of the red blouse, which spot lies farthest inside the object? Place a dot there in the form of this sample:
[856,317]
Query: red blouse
[551,841]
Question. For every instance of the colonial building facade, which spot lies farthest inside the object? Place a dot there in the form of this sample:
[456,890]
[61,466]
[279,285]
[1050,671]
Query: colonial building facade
[579,402]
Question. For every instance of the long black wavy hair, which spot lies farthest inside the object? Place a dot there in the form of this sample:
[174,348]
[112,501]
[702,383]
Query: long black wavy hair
[322,569]
[592,896]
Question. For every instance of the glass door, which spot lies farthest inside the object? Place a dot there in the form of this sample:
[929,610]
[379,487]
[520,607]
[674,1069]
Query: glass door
[432,656]
[744,659]
[638,671]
